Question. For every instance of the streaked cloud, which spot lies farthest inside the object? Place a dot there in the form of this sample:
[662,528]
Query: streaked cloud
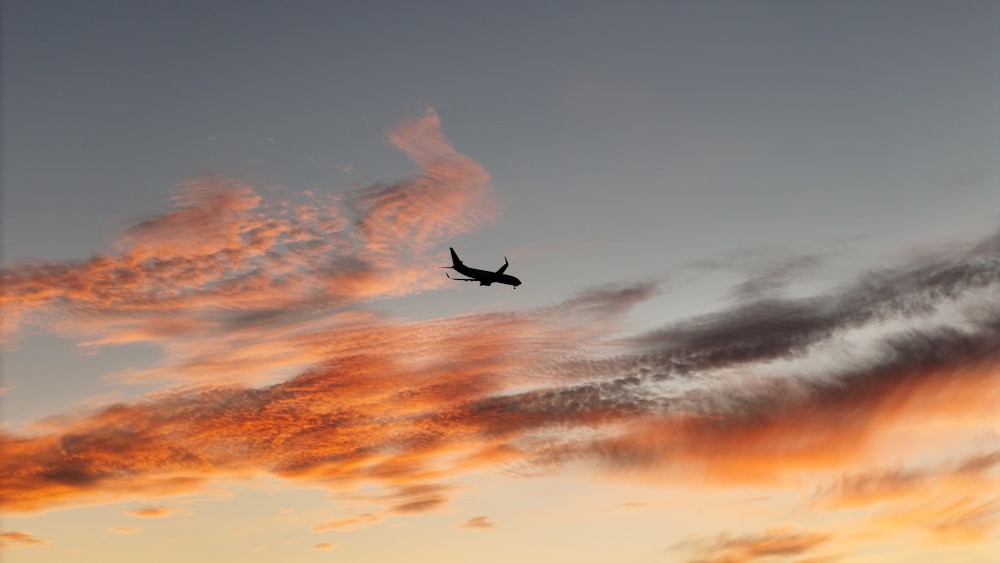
[10,540]
[948,520]
[348,420]
[261,305]
[411,404]
[479,523]
[348,522]
[151,512]
[230,257]
[952,502]
[449,197]
[324,546]
[425,504]
[874,488]
[781,543]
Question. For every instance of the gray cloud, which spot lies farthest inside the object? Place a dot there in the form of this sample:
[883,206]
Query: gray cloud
[371,412]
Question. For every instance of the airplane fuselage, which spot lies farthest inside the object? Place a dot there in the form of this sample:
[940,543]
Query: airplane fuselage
[485,277]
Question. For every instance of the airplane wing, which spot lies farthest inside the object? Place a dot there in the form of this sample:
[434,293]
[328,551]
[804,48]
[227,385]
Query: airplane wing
[460,279]
[504,267]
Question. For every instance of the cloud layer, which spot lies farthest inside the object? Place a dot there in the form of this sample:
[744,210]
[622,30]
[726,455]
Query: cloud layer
[219,277]
[261,304]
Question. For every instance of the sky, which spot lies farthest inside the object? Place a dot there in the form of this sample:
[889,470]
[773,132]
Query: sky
[759,245]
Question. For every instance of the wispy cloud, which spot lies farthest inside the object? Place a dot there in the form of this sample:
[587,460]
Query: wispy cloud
[124,530]
[457,409]
[946,520]
[348,420]
[229,258]
[479,523]
[779,543]
[874,488]
[262,302]
[324,546]
[151,512]
[348,522]
[950,502]
[450,196]
[9,540]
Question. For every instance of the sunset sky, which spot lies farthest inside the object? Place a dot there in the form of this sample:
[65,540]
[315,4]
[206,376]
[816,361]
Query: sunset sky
[759,245]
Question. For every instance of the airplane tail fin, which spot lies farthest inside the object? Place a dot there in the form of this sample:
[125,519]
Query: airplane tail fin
[455,260]
[504,267]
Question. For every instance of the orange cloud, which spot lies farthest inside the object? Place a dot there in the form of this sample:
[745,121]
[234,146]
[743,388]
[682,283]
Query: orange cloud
[451,195]
[950,502]
[9,540]
[479,523]
[354,421]
[415,404]
[966,520]
[324,546]
[211,217]
[771,436]
[941,518]
[227,257]
[779,542]
[401,404]
[348,523]
[151,512]
[259,300]
[875,488]
[425,504]
[124,530]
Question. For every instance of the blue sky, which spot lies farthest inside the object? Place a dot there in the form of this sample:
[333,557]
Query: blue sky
[653,171]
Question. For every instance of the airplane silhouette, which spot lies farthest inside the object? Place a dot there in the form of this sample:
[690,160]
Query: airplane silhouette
[484,277]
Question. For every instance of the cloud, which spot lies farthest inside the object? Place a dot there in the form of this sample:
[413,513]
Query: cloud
[479,523]
[411,404]
[260,302]
[770,328]
[349,522]
[124,530]
[324,546]
[451,195]
[775,543]
[351,419]
[770,432]
[967,519]
[425,504]
[874,488]
[211,217]
[10,540]
[230,256]
[400,500]
[151,512]
[950,502]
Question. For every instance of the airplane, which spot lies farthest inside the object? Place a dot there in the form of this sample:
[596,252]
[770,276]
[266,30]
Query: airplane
[484,277]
